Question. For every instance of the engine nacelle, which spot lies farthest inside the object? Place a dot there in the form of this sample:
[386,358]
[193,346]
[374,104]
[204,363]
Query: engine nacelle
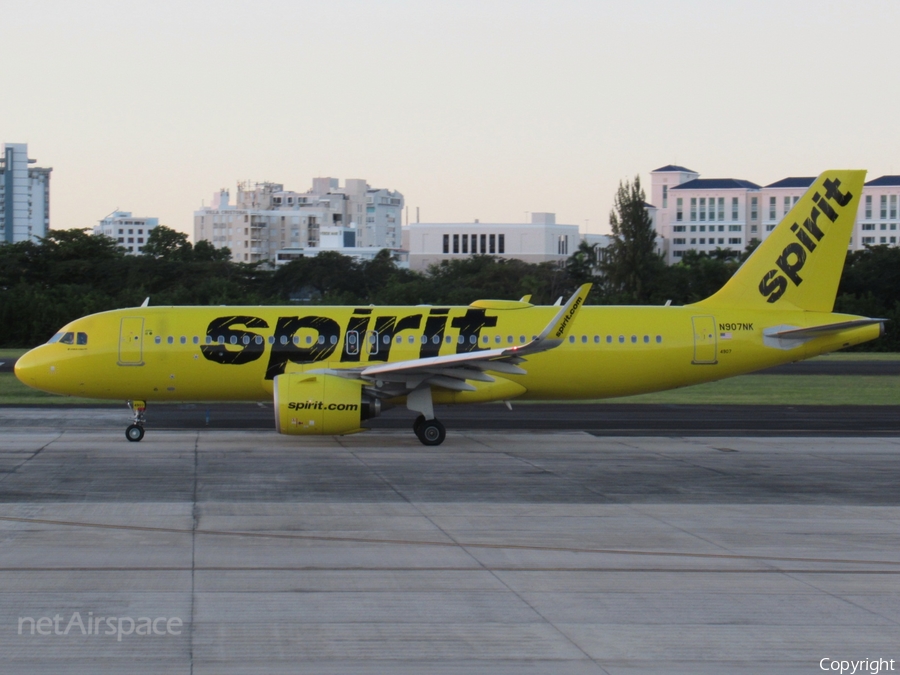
[320,404]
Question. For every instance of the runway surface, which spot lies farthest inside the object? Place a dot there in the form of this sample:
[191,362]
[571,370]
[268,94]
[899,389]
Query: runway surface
[500,551]
[598,419]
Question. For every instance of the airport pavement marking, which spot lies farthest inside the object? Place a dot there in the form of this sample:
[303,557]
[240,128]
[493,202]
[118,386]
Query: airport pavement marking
[448,544]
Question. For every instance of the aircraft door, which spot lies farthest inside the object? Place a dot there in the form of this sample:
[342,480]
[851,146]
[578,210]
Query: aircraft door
[704,340]
[131,341]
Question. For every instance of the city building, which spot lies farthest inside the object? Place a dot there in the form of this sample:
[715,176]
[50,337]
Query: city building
[876,222]
[705,214]
[270,224]
[24,196]
[541,240]
[129,232]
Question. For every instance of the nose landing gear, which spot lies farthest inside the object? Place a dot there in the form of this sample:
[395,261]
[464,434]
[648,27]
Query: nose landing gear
[135,431]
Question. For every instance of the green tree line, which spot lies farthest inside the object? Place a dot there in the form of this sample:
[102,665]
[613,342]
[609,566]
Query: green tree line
[71,273]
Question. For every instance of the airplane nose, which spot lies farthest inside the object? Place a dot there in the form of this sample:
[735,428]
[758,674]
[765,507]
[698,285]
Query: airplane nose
[33,369]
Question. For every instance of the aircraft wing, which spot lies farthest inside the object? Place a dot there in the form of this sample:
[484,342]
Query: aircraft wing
[452,370]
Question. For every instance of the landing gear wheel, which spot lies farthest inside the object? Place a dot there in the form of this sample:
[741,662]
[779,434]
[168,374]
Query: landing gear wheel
[134,433]
[420,420]
[431,432]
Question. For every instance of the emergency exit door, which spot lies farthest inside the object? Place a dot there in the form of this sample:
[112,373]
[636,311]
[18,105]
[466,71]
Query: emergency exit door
[131,341]
[704,340]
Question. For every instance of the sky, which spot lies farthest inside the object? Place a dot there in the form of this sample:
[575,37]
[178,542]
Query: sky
[486,109]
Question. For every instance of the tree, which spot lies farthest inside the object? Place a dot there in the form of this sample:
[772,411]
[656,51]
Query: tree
[580,266]
[204,251]
[164,242]
[631,263]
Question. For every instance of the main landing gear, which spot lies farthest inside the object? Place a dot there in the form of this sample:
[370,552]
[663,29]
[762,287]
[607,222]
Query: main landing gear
[430,432]
[135,431]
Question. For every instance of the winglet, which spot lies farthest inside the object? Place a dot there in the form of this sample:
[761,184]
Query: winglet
[146,302]
[558,329]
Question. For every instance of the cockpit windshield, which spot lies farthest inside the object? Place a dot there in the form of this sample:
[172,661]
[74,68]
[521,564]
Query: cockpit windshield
[70,338]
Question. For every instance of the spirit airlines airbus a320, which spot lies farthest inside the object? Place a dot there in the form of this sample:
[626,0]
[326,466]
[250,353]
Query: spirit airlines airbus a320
[328,369]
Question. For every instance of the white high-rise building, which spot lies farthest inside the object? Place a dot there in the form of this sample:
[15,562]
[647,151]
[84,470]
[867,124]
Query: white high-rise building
[128,231]
[705,214]
[270,224]
[24,196]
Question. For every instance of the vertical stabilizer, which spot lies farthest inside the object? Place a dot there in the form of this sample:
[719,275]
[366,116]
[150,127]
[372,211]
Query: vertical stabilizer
[799,264]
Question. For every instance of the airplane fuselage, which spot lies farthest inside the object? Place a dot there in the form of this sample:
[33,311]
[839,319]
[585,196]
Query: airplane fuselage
[234,353]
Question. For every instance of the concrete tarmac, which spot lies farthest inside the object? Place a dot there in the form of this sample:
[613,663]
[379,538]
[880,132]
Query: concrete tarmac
[609,419]
[501,552]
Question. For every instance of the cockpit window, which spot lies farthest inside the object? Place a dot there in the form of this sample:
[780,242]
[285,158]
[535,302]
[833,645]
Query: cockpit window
[68,339]
[81,338]
[55,338]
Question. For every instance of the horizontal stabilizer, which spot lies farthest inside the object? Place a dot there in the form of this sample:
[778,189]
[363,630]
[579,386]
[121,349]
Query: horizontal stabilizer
[818,331]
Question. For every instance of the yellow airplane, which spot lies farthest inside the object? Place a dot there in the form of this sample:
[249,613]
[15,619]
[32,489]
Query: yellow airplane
[328,369]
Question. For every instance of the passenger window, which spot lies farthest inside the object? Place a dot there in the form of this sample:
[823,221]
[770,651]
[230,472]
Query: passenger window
[283,340]
[485,339]
[196,340]
[609,339]
[583,339]
[449,339]
[459,339]
[572,339]
[183,340]
[209,339]
[634,339]
[522,339]
[498,339]
[646,339]
[424,339]
[333,339]
[412,339]
[309,339]
[258,339]
[509,339]
[596,339]
[81,338]
[399,340]
[68,339]
[246,339]
[271,339]
[221,340]
[157,340]
[436,340]
[296,340]
[621,339]
[321,339]
[170,340]
[386,339]
[658,339]
[233,339]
